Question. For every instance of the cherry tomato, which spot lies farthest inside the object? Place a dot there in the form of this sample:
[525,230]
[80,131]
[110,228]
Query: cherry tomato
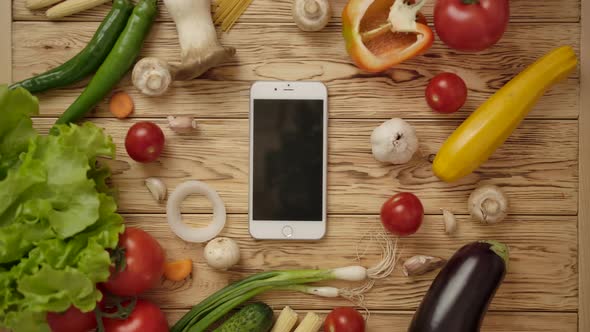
[471,25]
[144,142]
[72,320]
[446,93]
[402,214]
[344,320]
[146,317]
[144,264]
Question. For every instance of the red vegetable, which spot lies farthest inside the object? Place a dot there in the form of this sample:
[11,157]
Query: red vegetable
[402,214]
[144,142]
[344,319]
[446,93]
[146,317]
[72,320]
[471,25]
[143,267]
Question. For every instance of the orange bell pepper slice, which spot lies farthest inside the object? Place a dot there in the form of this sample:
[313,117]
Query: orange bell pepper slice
[380,34]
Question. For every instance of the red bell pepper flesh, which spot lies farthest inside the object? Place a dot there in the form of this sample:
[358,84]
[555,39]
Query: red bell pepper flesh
[381,49]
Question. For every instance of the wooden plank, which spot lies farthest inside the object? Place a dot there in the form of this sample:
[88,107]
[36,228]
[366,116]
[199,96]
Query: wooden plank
[397,321]
[584,157]
[542,180]
[275,11]
[542,272]
[263,54]
[5,42]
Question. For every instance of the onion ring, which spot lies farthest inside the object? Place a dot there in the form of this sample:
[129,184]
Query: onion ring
[195,234]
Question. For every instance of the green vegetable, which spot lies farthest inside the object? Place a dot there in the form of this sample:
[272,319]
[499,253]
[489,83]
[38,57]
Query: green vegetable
[89,59]
[204,314]
[117,63]
[255,317]
[56,216]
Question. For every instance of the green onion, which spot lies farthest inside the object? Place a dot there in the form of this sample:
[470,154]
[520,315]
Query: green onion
[204,314]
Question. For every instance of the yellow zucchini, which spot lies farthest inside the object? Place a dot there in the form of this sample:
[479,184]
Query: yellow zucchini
[491,124]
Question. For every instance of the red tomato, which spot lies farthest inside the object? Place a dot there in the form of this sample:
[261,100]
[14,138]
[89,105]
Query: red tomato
[471,25]
[144,142]
[144,264]
[402,214]
[446,93]
[72,320]
[146,317]
[344,320]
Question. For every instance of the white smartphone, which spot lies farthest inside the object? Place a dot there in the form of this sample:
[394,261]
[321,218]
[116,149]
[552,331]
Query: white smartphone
[288,160]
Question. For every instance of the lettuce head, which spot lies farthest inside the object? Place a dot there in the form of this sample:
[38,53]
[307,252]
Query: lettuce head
[57,219]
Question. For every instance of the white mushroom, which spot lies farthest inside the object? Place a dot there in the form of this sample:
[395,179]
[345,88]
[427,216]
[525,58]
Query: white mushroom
[394,141]
[488,204]
[311,15]
[200,49]
[151,76]
[222,253]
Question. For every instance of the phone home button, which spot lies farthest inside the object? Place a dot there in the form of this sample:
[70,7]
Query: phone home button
[288,231]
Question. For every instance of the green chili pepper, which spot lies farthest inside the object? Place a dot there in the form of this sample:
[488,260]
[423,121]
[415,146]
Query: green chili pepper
[117,63]
[89,59]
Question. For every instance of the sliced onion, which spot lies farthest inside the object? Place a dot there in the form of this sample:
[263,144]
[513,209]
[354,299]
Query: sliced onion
[189,233]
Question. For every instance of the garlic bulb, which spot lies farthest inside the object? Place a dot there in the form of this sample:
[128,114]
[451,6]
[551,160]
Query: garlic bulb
[222,253]
[394,141]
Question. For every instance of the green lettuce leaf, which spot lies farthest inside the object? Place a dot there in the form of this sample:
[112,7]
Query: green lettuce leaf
[57,218]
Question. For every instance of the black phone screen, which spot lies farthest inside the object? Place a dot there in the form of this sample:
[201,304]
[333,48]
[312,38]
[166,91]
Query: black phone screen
[287,160]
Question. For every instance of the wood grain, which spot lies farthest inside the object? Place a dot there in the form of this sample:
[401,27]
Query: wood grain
[541,276]
[584,155]
[5,42]
[265,54]
[542,180]
[280,11]
[397,321]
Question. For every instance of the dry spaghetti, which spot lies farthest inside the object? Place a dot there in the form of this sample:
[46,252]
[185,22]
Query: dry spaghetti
[227,12]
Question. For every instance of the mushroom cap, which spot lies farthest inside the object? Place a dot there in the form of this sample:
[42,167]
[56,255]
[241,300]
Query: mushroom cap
[151,76]
[311,15]
[488,204]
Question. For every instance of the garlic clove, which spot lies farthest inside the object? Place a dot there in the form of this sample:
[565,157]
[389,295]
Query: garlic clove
[450,221]
[182,124]
[421,264]
[157,188]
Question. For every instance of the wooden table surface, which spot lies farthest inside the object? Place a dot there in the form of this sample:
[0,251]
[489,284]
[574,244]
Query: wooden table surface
[546,288]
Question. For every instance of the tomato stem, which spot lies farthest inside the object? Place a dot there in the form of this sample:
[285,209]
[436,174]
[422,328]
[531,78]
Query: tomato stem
[470,2]
[118,258]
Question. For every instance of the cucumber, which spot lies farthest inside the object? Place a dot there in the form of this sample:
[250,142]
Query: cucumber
[254,317]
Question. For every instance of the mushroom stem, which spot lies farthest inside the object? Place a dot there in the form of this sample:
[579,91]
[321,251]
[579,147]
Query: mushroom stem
[311,15]
[200,49]
[312,9]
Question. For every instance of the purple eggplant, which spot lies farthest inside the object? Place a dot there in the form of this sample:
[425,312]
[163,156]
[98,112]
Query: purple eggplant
[459,297]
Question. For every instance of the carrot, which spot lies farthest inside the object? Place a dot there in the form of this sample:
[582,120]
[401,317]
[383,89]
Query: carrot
[178,270]
[121,105]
